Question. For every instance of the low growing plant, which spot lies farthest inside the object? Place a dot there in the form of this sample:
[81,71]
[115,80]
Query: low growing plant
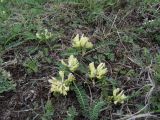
[71,113]
[61,85]
[118,96]
[81,43]
[6,84]
[48,111]
[44,35]
[98,72]
[31,65]
[73,63]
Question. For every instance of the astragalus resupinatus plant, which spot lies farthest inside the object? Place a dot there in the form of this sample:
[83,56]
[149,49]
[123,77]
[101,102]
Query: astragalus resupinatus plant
[44,35]
[118,96]
[72,64]
[62,84]
[98,72]
[82,43]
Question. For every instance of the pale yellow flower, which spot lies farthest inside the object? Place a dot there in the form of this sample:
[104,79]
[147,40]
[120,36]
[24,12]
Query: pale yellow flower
[3,12]
[101,70]
[92,70]
[85,42]
[47,34]
[76,42]
[98,72]
[118,96]
[58,86]
[61,86]
[61,74]
[73,63]
[70,79]
[44,35]
[81,42]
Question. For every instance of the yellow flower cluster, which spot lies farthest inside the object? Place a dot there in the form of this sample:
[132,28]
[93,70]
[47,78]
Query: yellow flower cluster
[118,96]
[81,42]
[73,63]
[61,86]
[98,72]
[44,35]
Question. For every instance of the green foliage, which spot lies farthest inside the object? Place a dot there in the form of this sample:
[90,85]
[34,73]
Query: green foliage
[82,99]
[104,88]
[71,113]
[155,106]
[96,109]
[5,81]
[70,51]
[48,111]
[31,2]
[91,112]
[150,28]
[21,25]
[156,67]
[101,20]
[94,8]
[89,4]
[151,1]
[105,51]
[31,65]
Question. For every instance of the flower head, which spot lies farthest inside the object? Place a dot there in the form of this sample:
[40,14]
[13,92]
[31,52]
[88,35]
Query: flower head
[76,42]
[101,70]
[61,86]
[58,86]
[92,70]
[118,96]
[44,35]
[70,79]
[81,42]
[73,63]
[98,72]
